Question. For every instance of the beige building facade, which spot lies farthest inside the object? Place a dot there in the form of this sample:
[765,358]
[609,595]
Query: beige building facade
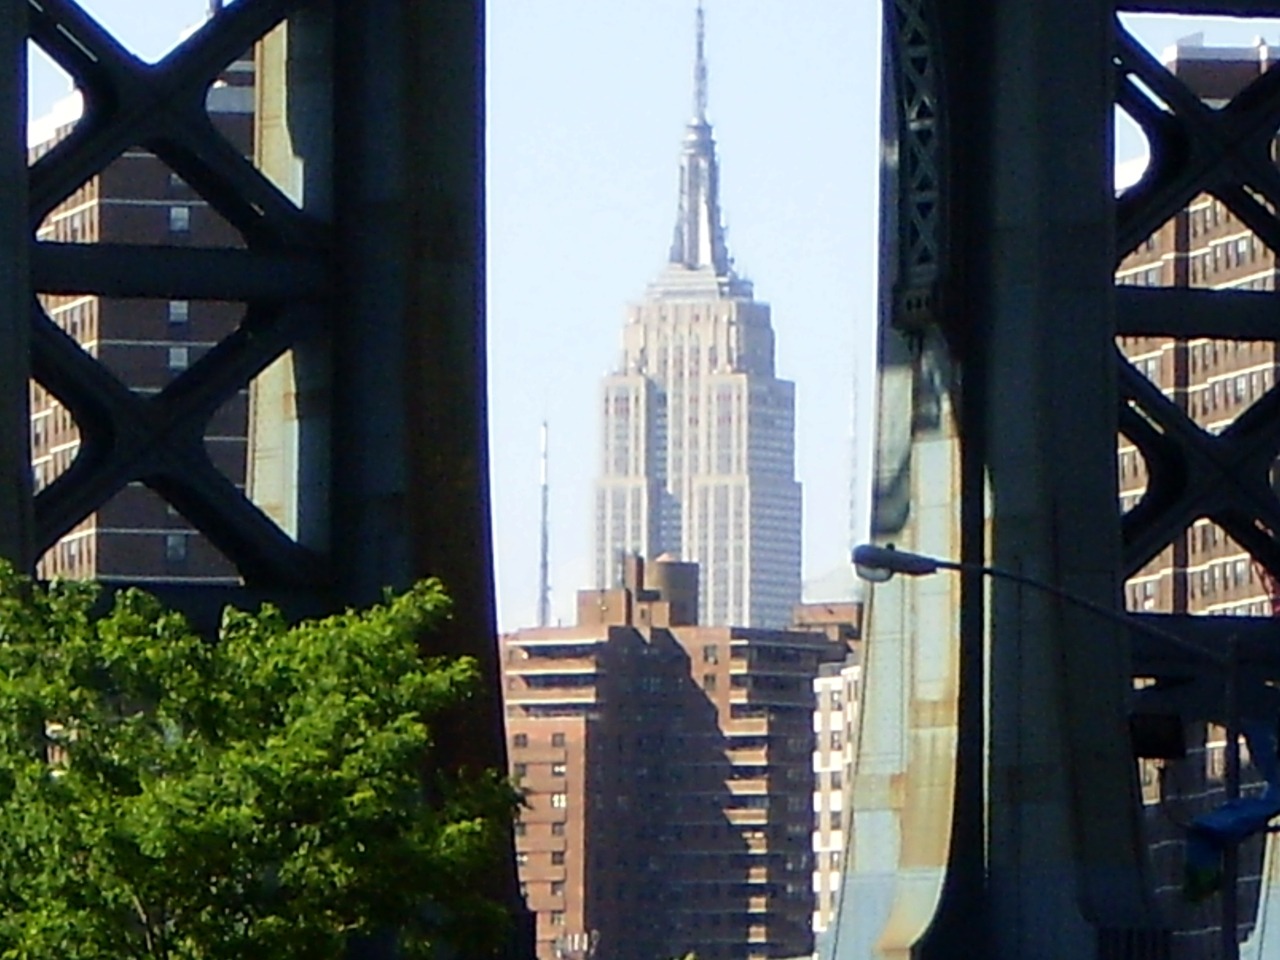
[835,719]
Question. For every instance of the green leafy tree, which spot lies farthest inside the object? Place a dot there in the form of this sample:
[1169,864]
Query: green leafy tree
[261,796]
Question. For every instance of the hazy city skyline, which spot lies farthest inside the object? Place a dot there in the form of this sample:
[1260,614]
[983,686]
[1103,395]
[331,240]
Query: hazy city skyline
[587,102]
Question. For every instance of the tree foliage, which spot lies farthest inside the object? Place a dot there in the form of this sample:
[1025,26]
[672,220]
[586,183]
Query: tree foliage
[261,796]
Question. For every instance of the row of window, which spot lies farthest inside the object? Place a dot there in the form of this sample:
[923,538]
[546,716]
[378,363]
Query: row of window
[82,226]
[1140,596]
[521,740]
[1207,397]
[1131,464]
[557,858]
[1228,575]
[522,769]
[1239,252]
[1205,218]
[522,828]
[74,556]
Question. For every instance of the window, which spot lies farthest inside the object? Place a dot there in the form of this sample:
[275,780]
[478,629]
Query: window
[557,828]
[557,739]
[837,740]
[557,769]
[559,800]
[557,858]
[175,547]
[708,682]
[710,653]
[179,358]
[520,740]
[557,918]
[179,311]
[520,770]
[521,828]
[179,219]
[522,859]
[837,820]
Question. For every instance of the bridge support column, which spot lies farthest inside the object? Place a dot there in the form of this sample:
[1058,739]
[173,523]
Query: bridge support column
[16,536]
[1066,868]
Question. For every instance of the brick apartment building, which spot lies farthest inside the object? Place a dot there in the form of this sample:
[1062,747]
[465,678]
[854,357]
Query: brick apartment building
[1204,572]
[668,775]
[136,199]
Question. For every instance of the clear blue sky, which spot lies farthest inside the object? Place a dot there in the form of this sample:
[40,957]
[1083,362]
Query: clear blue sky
[587,101]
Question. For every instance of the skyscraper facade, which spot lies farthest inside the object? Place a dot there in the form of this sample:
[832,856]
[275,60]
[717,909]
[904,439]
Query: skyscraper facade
[698,445]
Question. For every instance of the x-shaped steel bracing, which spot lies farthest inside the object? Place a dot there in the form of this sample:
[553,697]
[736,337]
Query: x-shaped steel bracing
[1227,153]
[281,275]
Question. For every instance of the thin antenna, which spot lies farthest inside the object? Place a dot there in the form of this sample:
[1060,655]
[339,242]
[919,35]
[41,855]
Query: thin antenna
[544,554]
[700,70]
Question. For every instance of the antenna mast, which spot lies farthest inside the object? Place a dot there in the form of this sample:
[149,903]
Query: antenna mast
[544,554]
[700,70]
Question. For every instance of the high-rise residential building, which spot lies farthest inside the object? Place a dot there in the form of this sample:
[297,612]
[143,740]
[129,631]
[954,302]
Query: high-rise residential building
[145,344]
[698,445]
[835,722]
[835,692]
[1204,571]
[667,769]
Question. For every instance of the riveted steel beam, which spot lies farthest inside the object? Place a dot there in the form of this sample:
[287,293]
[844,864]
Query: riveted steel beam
[16,519]
[1187,313]
[1258,640]
[189,273]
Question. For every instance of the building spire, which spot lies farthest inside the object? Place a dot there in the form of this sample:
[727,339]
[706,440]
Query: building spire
[700,70]
[699,242]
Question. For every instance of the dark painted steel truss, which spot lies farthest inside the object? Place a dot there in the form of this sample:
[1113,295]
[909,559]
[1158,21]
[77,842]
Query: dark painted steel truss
[1228,477]
[920,215]
[280,275]
[1227,153]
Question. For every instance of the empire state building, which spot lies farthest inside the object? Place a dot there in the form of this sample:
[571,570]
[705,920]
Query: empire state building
[698,446]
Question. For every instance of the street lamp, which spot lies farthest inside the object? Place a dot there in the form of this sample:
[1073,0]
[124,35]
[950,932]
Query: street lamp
[877,564]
